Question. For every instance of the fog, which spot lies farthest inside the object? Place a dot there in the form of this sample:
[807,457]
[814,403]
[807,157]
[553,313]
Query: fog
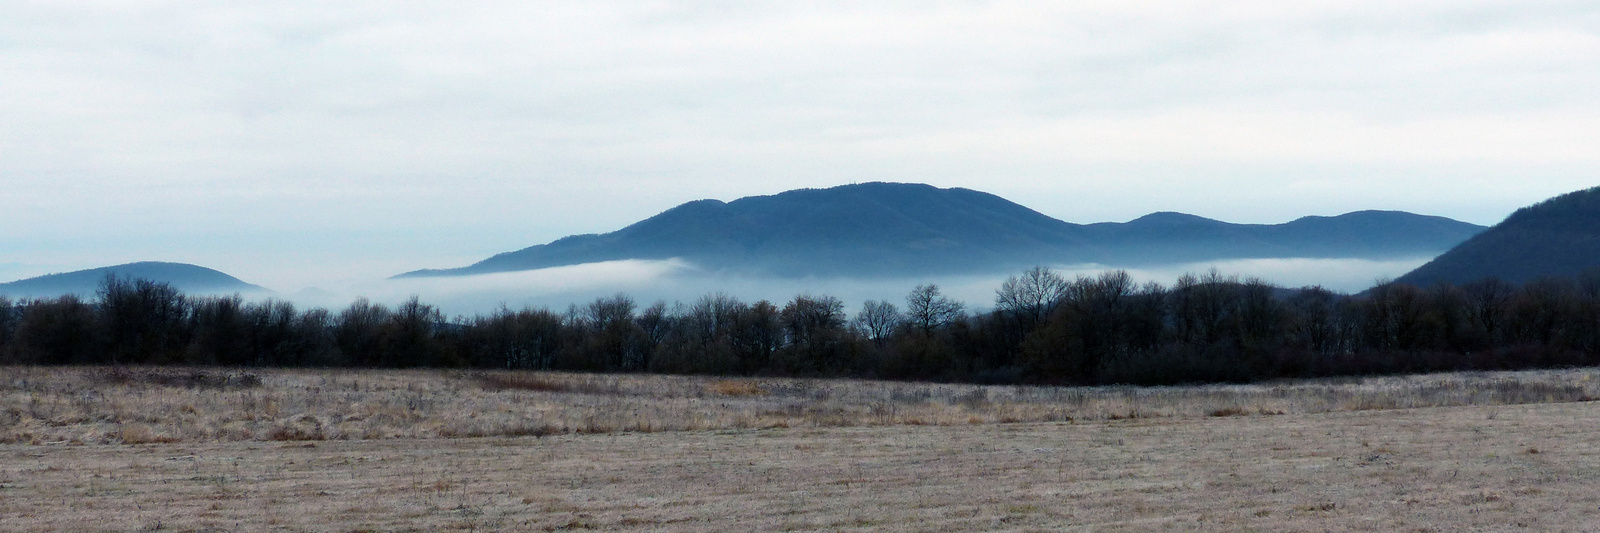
[679,281]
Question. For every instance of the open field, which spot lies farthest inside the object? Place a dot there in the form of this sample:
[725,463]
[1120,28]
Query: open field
[1527,467]
[302,450]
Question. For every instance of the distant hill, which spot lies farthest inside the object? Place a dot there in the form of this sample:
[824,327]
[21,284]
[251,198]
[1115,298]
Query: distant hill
[1165,238]
[1557,237]
[894,229]
[188,278]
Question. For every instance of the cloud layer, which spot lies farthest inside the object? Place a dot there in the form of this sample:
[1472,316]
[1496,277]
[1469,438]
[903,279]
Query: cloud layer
[677,281]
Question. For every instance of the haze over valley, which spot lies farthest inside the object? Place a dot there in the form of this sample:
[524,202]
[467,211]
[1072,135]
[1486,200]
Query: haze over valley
[873,241]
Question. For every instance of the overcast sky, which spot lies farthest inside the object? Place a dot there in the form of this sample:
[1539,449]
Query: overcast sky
[291,143]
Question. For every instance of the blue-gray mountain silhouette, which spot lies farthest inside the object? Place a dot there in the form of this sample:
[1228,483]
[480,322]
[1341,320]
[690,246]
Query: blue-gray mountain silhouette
[190,279]
[895,229]
[1556,237]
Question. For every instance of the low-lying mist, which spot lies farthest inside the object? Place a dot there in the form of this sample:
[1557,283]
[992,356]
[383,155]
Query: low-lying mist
[680,281]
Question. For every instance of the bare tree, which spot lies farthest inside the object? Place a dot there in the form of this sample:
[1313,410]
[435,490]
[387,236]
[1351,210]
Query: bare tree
[807,317]
[411,336]
[1315,323]
[755,332]
[928,310]
[9,315]
[143,319]
[358,332]
[815,329]
[1030,298]
[62,330]
[1487,300]
[713,315]
[614,332]
[655,323]
[878,320]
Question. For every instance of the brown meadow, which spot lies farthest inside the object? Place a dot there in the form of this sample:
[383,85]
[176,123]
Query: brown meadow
[102,449]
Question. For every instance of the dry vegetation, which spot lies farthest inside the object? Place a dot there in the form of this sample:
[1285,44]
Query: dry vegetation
[76,405]
[1494,468]
[103,449]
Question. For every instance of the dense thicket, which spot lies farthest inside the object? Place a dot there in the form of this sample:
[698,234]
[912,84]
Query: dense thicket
[1043,328]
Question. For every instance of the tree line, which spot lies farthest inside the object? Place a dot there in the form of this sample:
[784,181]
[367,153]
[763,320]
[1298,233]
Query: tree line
[1042,328]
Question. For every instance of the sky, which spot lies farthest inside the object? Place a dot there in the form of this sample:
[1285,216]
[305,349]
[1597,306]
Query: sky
[322,144]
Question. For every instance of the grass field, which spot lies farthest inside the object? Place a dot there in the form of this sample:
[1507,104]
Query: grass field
[293,450]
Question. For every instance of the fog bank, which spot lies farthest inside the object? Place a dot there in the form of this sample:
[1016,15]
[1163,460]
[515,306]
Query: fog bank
[679,281]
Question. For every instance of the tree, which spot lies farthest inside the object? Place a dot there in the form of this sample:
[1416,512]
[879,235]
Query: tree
[1314,324]
[1394,317]
[614,338]
[1202,307]
[271,340]
[220,331]
[654,323]
[928,310]
[9,316]
[757,333]
[878,320]
[358,331]
[314,335]
[143,319]
[1487,300]
[525,339]
[60,331]
[1261,318]
[410,337]
[814,329]
[715,335]
[1030,298]
[1098,318]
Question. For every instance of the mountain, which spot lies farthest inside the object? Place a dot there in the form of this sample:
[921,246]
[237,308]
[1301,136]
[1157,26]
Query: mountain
[1165,238]
[895,229]
[1557,237]
[851,230]
[188,278]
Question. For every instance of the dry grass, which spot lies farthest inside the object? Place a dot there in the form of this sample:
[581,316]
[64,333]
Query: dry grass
[728,387]
[74,405]
[1481,468]
[102,449]
[188,378]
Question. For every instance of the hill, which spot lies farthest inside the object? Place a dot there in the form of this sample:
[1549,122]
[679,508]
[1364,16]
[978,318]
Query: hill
[893,229]
[1557,237]
[188,278]
[1165,238]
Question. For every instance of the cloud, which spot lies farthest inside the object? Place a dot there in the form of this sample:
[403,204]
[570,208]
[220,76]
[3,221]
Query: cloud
[463,130]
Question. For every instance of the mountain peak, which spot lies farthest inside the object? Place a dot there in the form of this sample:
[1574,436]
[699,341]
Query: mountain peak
[1170,218]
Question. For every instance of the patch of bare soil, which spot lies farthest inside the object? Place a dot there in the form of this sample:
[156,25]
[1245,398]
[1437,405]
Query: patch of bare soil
[1508,467]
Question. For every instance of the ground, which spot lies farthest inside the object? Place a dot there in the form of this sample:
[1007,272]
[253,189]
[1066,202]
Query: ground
[1485,467]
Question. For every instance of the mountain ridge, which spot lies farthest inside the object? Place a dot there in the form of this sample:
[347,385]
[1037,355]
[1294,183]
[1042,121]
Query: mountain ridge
[879,229]
[1559,236]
